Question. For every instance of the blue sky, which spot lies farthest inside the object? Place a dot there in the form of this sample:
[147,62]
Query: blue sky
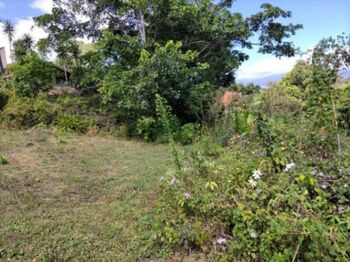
[320,18]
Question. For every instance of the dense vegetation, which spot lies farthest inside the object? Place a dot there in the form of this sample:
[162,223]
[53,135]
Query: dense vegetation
[266,174]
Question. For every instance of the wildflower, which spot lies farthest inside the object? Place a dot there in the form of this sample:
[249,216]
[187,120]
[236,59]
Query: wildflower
[187,195]
[161,178]
[253,235]
[256,174]
[346,185]
[221,241]
[185,169]
[321,174]
[324,186]
[314,172]
[289,167]
[173,181]
[252,182]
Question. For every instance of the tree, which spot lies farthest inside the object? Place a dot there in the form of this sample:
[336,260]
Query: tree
[329,57]
[28,41]
[32,75]
[22,47]
[168,72]
[9,30]
[123,31]
[205,26]
[300,76]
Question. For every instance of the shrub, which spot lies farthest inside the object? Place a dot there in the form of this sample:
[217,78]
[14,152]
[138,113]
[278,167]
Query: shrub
[146,128]
[23,112]
[237,206]
[189,133]
[277,101]
[18,113]
[32,75]
[76,123]
[169,72]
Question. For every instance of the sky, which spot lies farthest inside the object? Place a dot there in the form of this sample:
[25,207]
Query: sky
[320,18]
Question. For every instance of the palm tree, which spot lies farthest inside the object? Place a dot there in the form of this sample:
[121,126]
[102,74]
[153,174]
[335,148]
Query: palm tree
[9,30]
[28,41]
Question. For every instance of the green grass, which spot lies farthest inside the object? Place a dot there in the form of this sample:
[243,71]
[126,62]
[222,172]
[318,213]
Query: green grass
[77,198]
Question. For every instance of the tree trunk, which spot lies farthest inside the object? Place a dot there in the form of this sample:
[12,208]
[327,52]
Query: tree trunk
[141,22]
[10,50]
[65,71]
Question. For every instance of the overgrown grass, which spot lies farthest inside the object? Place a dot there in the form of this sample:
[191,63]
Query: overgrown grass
[77,197]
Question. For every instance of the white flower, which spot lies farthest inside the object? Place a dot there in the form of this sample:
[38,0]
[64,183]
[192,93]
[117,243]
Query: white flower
[221,241]
[161,178]
[314,172]
[252,182]
[289,167]
[187,195]
[324,186]
[346,185]
[321,174]
[173,181]
[256,174]
[253,235]
[185,169]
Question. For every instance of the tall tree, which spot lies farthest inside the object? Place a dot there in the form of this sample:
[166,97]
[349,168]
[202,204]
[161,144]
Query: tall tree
[28,41]
[206,26]
[9,30]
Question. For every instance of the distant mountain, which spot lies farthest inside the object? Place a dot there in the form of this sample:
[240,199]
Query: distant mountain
[264,81]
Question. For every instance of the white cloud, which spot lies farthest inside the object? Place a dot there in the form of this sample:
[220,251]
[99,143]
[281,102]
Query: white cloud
[266,67]
[43,5]
[22,27]
[2,4]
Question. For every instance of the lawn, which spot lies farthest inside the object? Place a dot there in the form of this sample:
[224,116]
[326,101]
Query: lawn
[76,197]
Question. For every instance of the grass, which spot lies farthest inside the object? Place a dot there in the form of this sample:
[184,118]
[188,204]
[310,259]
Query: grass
[77,198]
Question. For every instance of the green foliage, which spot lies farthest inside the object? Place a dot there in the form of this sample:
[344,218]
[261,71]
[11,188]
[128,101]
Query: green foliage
[32,76]
[75,123]
[299,77]
[209,28]
[281,100]
[320,101]
[169,72]
[189,133]
[146,128]
[344,109]
[3,160]
[164,114]
[22,112]
[239,207]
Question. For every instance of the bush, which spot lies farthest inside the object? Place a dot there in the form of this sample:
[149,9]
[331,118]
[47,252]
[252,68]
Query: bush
[169,72]
[23,112]
[18,113]
[32,75]
[237,206]
[146,128]
[189,133]
[277,101]
[76,123]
